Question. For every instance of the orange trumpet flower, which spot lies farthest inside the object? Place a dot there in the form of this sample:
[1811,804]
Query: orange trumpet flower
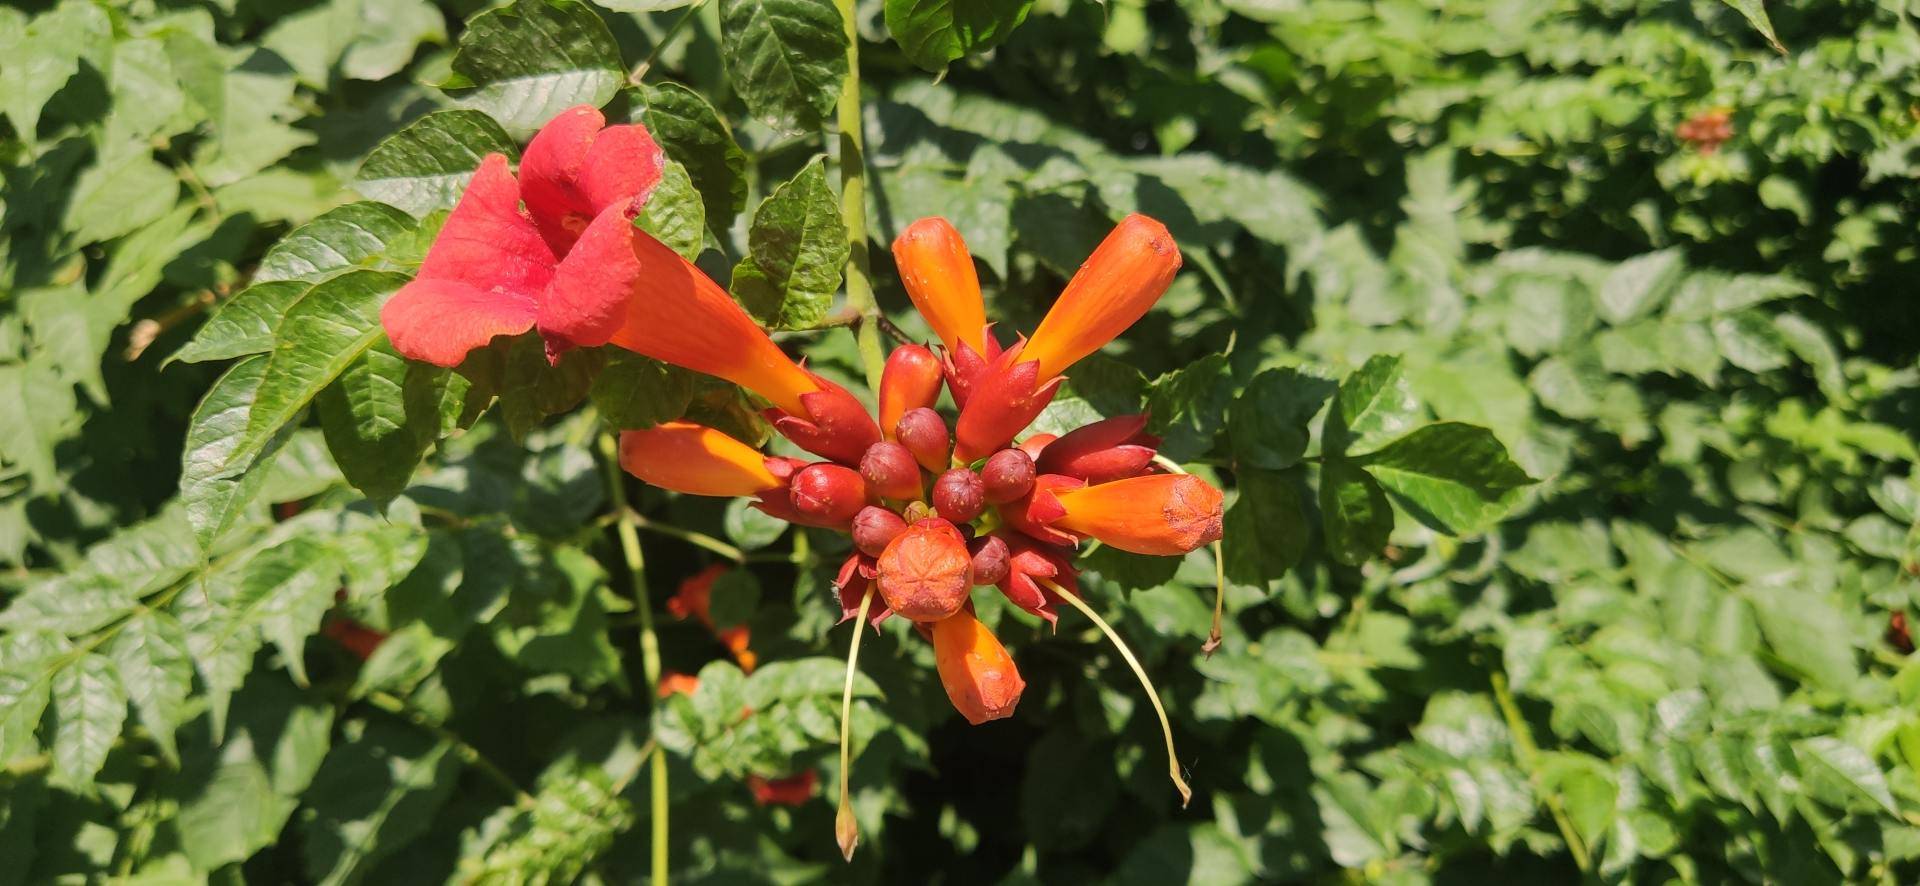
[1159,514]
[695,460]
[975,669]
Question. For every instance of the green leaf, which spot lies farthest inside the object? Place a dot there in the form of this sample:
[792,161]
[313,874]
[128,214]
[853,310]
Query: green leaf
[244,325]
[339,239]
[639,392]
[90,705]
[1265,531]
[323,333]
[1353,511]
[157,668]
[1841,775]
[524,63]
[214,491]
[1456,478]
[694,134]
[673,214]
[382,415]
[786,58]
[798,245]
[1376,405]
[426,166]
[1755,12]
[1268,421]
[123,191]
[935,32]
[373,795]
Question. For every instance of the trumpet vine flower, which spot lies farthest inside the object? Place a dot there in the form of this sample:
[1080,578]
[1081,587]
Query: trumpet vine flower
[937,506]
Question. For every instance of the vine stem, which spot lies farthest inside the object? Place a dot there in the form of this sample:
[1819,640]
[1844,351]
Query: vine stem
[629,534]
[853,206]
[1153,695]
[1528,755]
[845,828]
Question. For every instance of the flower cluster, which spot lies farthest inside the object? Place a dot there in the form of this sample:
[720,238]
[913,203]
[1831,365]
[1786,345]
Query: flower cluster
[935,508]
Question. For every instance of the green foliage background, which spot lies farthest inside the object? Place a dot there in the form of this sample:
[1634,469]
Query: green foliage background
[1419,235]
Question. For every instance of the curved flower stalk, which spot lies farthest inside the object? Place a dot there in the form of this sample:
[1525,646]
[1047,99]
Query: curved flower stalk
[937,507]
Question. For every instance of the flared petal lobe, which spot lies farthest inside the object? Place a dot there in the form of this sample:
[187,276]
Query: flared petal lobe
[483,276]
[1126,274]
[695,460]
[978,674]
[1159,514]
[674,312]
[937,271]
[577,166]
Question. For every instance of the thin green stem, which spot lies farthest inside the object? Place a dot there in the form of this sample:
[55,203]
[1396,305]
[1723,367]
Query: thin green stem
[697,539]
[1153,695]
[649,641]
[465,751]
[853,206]
[1528,756]
[845,828]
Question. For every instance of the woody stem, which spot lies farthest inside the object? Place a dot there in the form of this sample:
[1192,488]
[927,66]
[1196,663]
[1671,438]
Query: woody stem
[625,527]
[1166,728]
[853,206]
[845,828]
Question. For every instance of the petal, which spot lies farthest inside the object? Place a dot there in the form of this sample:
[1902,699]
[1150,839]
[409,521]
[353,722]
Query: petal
[1159,514]
[937,271]
[1126,274]
[676,313]
[487,242]
[978,674]
[696,460]
[574,169]
[440,321]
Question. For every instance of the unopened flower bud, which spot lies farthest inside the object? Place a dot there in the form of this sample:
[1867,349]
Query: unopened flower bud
[874,528]
[911,380]
[991,560]
[924,433]
[925,572]
[829,493]
[959,495]
[891,471]
[1007,476]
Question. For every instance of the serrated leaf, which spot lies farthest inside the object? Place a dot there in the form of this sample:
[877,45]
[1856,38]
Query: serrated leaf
[213,491]
[798,246]
[1353,511]
[524,63]
[323,332]
[339,239]
[1755,12]
[1265,531]
[1376,405]
[90,705]
[673,214]
[244,325]
[426,165]
[1841,774]
[382,415]
[786,58]
[372,796]
[1268,421]
[157,669]
[693,133]
[935,32]
[633,391]
[1456,478]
